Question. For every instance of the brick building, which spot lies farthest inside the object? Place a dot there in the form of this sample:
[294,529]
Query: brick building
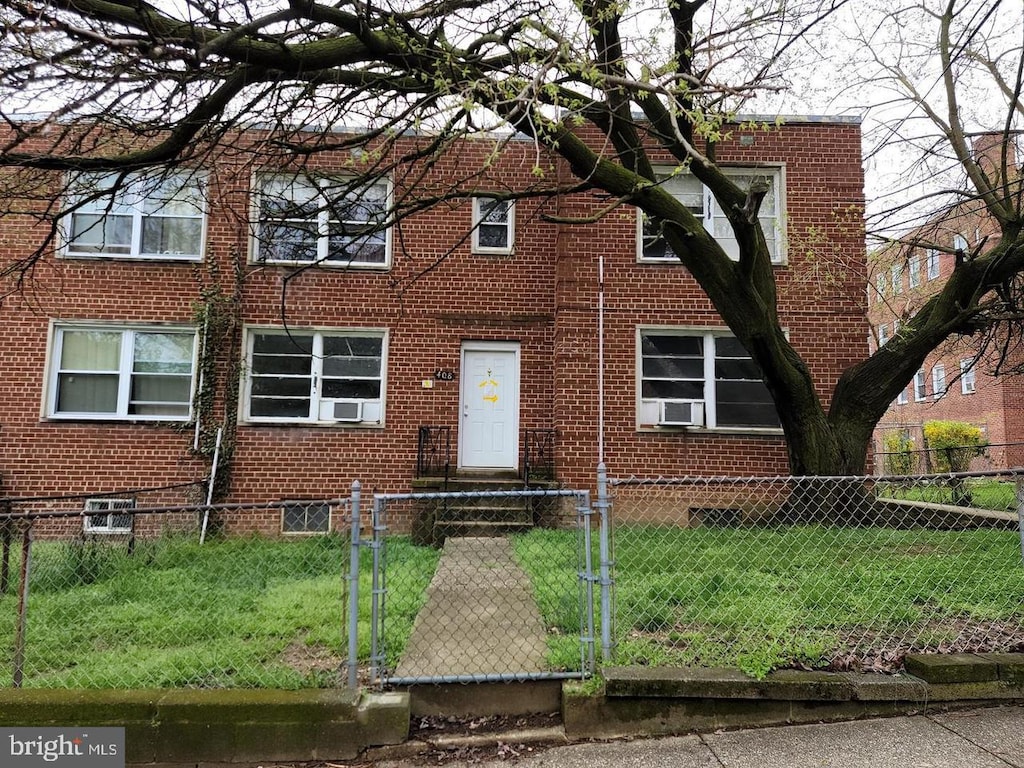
[231,296]
[956,381]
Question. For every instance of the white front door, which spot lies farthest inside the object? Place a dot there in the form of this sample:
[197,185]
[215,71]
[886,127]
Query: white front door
[489,435]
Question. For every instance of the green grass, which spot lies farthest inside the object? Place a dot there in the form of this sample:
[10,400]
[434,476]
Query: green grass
[761,598]
[240,612]
[982,494]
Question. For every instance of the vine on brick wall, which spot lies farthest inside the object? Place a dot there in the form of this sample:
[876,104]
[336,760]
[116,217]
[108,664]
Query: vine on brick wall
[218,316]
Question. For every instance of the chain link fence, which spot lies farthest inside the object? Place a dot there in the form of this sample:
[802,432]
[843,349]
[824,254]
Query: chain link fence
[835,573]
[102,593]
[907,460]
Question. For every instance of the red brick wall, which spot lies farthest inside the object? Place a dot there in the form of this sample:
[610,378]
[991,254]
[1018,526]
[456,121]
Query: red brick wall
[436,296]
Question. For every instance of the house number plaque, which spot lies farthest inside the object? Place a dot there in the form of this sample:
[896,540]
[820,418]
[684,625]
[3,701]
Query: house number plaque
[442,374]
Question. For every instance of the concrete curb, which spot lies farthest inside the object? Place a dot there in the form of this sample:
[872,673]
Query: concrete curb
[222,726]
[649,701]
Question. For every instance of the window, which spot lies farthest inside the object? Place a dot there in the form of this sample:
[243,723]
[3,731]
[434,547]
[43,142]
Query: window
[880,284]
[960,244]
[322,376]
[334,221]
[103,516]
[709,372]
[702,204]
[938,380]
[914,271]
[493,225]
[305,517]
[136,216]
[883,331]
[901,398]
[932,260]
[920,386]
[967,378]
[113,373]
[896,273]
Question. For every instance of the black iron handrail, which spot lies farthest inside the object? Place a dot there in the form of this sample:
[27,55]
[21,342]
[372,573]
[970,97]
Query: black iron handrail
[433,452]
[538,455]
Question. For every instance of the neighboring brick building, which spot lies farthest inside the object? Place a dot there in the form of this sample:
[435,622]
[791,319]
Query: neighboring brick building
[955,382]
[148,318]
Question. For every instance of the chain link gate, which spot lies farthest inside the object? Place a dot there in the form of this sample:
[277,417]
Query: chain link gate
[509,595]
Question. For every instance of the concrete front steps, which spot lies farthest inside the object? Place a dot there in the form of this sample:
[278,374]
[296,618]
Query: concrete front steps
[474,516]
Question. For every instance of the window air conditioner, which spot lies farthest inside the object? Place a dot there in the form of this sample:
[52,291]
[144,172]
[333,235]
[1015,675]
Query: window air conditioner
[681,413]
[341,410]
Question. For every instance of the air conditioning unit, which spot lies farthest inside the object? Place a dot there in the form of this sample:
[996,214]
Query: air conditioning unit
[681,413]
[341,410]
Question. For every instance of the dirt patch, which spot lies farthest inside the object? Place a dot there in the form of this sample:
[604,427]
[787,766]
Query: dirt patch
[311,660]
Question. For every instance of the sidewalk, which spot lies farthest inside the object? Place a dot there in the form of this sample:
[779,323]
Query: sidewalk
[977,738]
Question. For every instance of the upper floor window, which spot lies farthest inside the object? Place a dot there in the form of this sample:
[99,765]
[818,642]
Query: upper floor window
[316,376]
[920,386]
[101,372]
[135,216]
[880,282]
[321,220]
[901,398]
[968,382]
[914,271]
[896,275]
[932,261]
[883,334]
[700,378]
[702,204]
[494,225]
[938,380]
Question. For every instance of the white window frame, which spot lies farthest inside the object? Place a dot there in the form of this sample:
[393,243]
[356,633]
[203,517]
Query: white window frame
[881,283]
[711,216]
[913,271]
[371,409]
[321,221]
[938,380]
[107,508]
[901,398]
[648,408]
[883,331]
[968,378]
[92,194]
[482,220]
[932,263]
[896,277]
[124,372]
[293,504]
[920,386]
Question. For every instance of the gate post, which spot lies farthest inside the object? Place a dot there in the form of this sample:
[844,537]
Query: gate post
[583,514]
[603,505]
[376,661]
[353,589]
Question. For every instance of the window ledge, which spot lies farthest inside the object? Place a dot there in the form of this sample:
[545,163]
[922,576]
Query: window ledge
[322,265]
[159,259]
[314,424]
[743,431]
[113,421]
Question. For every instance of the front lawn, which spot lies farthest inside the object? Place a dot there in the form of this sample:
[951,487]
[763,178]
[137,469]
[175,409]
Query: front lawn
[759,598]
[239,612]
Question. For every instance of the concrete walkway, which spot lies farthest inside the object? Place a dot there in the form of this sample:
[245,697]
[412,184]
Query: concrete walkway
[479,618]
